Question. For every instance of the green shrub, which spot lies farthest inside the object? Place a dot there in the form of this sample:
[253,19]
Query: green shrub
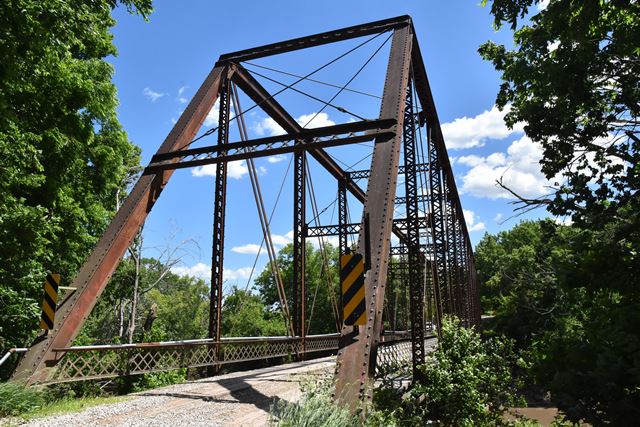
[315,409]
[468,382]
[16,399]
[159,379]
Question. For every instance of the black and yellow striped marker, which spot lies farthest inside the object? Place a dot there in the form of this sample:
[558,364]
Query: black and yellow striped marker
[51,284]
[352,283]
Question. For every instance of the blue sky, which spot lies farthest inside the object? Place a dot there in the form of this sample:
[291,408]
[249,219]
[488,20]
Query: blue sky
[162,63]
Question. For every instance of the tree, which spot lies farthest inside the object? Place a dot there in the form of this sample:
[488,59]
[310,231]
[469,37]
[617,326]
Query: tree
[245,315]
[574,80]
[174,308]
[569,298]
[63,153]
[322,280]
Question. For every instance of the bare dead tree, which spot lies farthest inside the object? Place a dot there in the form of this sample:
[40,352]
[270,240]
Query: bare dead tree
[168,257]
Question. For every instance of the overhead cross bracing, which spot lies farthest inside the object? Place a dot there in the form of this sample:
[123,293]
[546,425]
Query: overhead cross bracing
[404,208]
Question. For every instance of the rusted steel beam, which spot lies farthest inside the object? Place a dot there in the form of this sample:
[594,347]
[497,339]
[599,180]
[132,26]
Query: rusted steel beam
[252,150]
[304,134]
[105,256]
[356,361]
[365,174]
[354,228]
[316,39]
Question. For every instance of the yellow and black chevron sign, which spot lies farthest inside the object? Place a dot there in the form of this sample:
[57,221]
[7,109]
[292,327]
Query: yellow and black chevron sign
[50,300]
[352,282]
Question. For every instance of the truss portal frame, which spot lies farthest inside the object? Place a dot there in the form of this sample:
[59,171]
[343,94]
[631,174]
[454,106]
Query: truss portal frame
[444,254]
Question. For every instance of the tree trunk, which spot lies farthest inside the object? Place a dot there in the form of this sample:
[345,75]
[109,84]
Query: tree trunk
[134,301]
[121,318]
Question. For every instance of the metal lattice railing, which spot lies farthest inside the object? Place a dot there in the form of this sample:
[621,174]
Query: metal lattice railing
[395,356]
[110,361]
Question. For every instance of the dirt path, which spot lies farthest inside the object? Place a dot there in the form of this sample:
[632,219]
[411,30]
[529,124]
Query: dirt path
[237,399]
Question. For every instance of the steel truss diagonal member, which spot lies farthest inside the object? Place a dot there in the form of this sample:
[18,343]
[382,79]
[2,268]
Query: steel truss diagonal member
[356,359]
[104,258]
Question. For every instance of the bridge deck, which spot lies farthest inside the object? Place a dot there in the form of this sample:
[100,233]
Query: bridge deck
[235,399]
[238,399]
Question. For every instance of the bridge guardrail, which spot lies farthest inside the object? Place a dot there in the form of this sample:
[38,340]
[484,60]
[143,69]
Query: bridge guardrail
[115,360]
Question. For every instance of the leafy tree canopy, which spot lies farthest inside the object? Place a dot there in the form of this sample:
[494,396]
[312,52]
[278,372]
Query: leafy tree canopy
[573,78]
[322,280]
[570,299]
[64,157]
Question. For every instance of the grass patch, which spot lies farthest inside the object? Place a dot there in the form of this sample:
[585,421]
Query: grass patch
[26,403]
[66,406]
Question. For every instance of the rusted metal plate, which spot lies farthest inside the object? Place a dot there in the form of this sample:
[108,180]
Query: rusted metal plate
[316,39]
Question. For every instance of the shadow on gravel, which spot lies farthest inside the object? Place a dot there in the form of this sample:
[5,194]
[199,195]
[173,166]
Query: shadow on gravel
[239,390]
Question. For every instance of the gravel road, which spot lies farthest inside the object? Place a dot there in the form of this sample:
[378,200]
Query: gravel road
[237,399]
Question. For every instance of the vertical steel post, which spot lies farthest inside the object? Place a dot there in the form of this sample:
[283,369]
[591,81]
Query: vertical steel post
[451,249]
[343,244]
[437,226]
[220,199]
[299,218]
[416,297]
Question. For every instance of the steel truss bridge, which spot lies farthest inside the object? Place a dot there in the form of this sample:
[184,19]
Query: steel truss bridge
[433,261]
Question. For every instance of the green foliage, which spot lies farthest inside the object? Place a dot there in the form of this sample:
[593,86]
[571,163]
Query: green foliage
[315,409]
[159,379]
[16,399]
[63,154]
[569,297]
[321,286]
[468,382]
[245,315]
[573,78]
[181,304]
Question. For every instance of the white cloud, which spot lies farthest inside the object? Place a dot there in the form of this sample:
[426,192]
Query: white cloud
[236,170]
[275,159]
[282,240]
[250,248]
[268,126]
[200,271]
[181,99]
[543,4]
[467,132]
[519,169]
[332,240]
[214,114]
[470,219]
[239,273]
[152,95]
[262,170]
[212,117]
[319,120]
[498,217]
[203,271]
